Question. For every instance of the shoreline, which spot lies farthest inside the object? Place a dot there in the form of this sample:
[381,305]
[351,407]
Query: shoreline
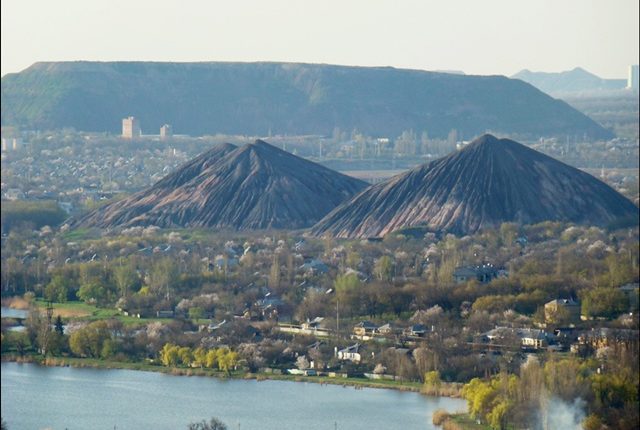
[450,390]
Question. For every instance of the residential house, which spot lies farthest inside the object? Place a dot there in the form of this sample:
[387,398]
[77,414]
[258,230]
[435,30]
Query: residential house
[314,324]
[416,330]
[387,329]
[533,338]
[554,310]
[299,245]
[270,300]
[365,328]
[274,308]
[315,266]
[631,291]
[165,314]
[223,262]
[213,326]
[529,338]
[463,274]
[483,274]
[351,353]
[602,337]
[14,194]
[313,327]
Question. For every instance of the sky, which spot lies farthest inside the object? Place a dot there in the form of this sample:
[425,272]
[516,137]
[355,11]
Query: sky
[478,37]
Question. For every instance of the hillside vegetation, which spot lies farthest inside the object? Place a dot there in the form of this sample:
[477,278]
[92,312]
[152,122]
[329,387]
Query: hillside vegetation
[284,98]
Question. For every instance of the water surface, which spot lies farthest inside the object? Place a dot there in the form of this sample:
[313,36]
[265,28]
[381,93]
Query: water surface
[35,397]
[13,313]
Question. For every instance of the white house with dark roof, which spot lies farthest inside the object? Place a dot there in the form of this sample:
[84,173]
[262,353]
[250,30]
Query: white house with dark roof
[351,353]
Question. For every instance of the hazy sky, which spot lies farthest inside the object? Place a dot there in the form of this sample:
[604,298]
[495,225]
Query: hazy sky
[476,36]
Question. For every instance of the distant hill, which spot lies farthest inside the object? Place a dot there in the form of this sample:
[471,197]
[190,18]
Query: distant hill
[255,186]
[282,98]
[488,182]
[573,81]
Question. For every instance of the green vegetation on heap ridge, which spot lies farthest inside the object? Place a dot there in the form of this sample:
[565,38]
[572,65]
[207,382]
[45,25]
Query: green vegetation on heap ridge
[286,98]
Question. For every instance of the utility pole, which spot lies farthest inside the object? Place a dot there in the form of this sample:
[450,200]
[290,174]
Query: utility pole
[337,317]
[47,330]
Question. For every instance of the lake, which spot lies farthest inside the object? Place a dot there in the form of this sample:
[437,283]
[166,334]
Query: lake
[13,313]
[35,397]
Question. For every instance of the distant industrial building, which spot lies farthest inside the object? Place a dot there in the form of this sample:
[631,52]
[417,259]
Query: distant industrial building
[165,131]
[10,144]
[632,80]
[131,128]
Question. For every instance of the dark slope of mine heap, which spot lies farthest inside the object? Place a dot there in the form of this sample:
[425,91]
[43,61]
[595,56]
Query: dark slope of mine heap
[489,182]
[256,186]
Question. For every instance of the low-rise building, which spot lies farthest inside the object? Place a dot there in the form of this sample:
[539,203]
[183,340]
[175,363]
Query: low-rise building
[483,274]
[315,266]
[528,338]
[565,311]
[351,353]
[365,328]
[631,291]
[416,330]
[387,329]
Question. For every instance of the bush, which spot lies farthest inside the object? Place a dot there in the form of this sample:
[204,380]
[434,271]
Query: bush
[35,213]
[439,417]
[451,425]
[592,422]
[213,424]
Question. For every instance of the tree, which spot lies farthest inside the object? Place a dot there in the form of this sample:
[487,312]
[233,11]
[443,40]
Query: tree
[212,424]
[291,269]
[196,313]
[348,291]
[57,290]
[93,292]
[384,268]
[558,315]
[212,358]
[124,277]
[186,356]
[432,382]
[564,379]
[90,341]
[200,357]
[170,354]
[302,363]
[346,284]
[479,396]
[508,233]
[353,260]
[91,271]
[39,330]
[604,302]
[108,349]
[17,340]
[274,274]
[227,360]
[59,327]
[34,324]
[163,276]
[592,422]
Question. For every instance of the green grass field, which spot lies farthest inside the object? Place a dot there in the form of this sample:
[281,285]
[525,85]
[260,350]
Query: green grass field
[84,312]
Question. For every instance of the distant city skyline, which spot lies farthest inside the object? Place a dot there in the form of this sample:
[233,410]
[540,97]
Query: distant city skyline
[490,37]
